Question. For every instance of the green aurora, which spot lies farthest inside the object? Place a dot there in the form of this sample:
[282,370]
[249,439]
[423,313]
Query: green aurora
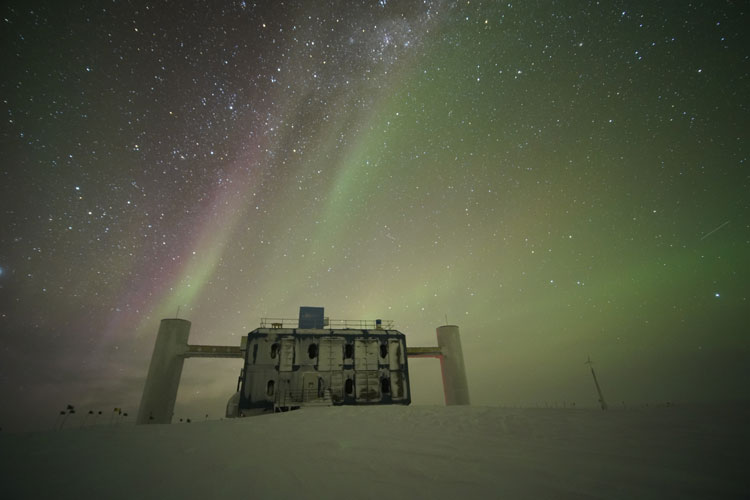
[558,181]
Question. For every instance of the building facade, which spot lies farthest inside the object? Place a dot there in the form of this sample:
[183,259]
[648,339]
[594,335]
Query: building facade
[286,368]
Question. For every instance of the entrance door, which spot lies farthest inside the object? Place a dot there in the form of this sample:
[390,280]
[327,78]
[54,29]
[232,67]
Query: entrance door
[368,385]
[337,386]
[311,386]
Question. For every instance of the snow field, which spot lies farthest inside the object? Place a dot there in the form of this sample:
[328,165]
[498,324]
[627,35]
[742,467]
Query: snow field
[395,452]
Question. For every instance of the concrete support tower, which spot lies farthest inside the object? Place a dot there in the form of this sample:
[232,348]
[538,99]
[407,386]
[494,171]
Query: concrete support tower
[452,366]
[163,380]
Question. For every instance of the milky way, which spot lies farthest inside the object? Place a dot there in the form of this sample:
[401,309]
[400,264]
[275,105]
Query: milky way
[544,176]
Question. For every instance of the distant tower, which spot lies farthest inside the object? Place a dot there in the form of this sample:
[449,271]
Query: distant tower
[598,389]
[452,366]
[163,380]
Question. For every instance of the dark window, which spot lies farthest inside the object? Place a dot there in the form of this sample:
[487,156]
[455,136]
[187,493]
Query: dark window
[349,386]
[385,385]
[274,350]
[383,350]
[312,351]
[348,351]
[269,387]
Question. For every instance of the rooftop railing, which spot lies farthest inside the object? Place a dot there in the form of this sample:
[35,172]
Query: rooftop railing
[333,324]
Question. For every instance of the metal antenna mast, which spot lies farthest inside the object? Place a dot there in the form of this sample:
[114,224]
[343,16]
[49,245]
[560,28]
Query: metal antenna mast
[598,389]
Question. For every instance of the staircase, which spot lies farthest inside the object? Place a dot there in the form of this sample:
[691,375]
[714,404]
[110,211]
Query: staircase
[298,399]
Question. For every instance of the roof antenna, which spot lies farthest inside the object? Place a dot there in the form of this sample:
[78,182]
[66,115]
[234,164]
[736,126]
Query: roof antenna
[598,389]
[446,319]
[178,312]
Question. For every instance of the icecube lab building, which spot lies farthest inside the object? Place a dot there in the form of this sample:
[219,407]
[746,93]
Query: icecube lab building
[306,361]
[316,362]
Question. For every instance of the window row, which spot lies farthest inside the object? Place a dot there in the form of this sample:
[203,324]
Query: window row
[312,350]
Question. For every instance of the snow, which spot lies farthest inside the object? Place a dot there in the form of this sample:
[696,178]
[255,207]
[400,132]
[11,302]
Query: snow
[395,452]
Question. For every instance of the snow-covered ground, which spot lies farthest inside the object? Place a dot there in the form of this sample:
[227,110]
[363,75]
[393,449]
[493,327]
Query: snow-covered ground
[395,452]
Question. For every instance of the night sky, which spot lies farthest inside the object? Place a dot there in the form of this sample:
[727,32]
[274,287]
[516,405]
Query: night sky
[559,179]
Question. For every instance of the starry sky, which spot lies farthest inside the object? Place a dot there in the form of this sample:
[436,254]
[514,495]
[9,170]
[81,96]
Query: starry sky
[559,179]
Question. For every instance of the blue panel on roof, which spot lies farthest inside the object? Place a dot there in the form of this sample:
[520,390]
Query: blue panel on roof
[311,317]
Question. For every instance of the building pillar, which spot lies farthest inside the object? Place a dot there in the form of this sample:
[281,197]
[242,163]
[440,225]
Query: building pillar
[163,380]
[452,366]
